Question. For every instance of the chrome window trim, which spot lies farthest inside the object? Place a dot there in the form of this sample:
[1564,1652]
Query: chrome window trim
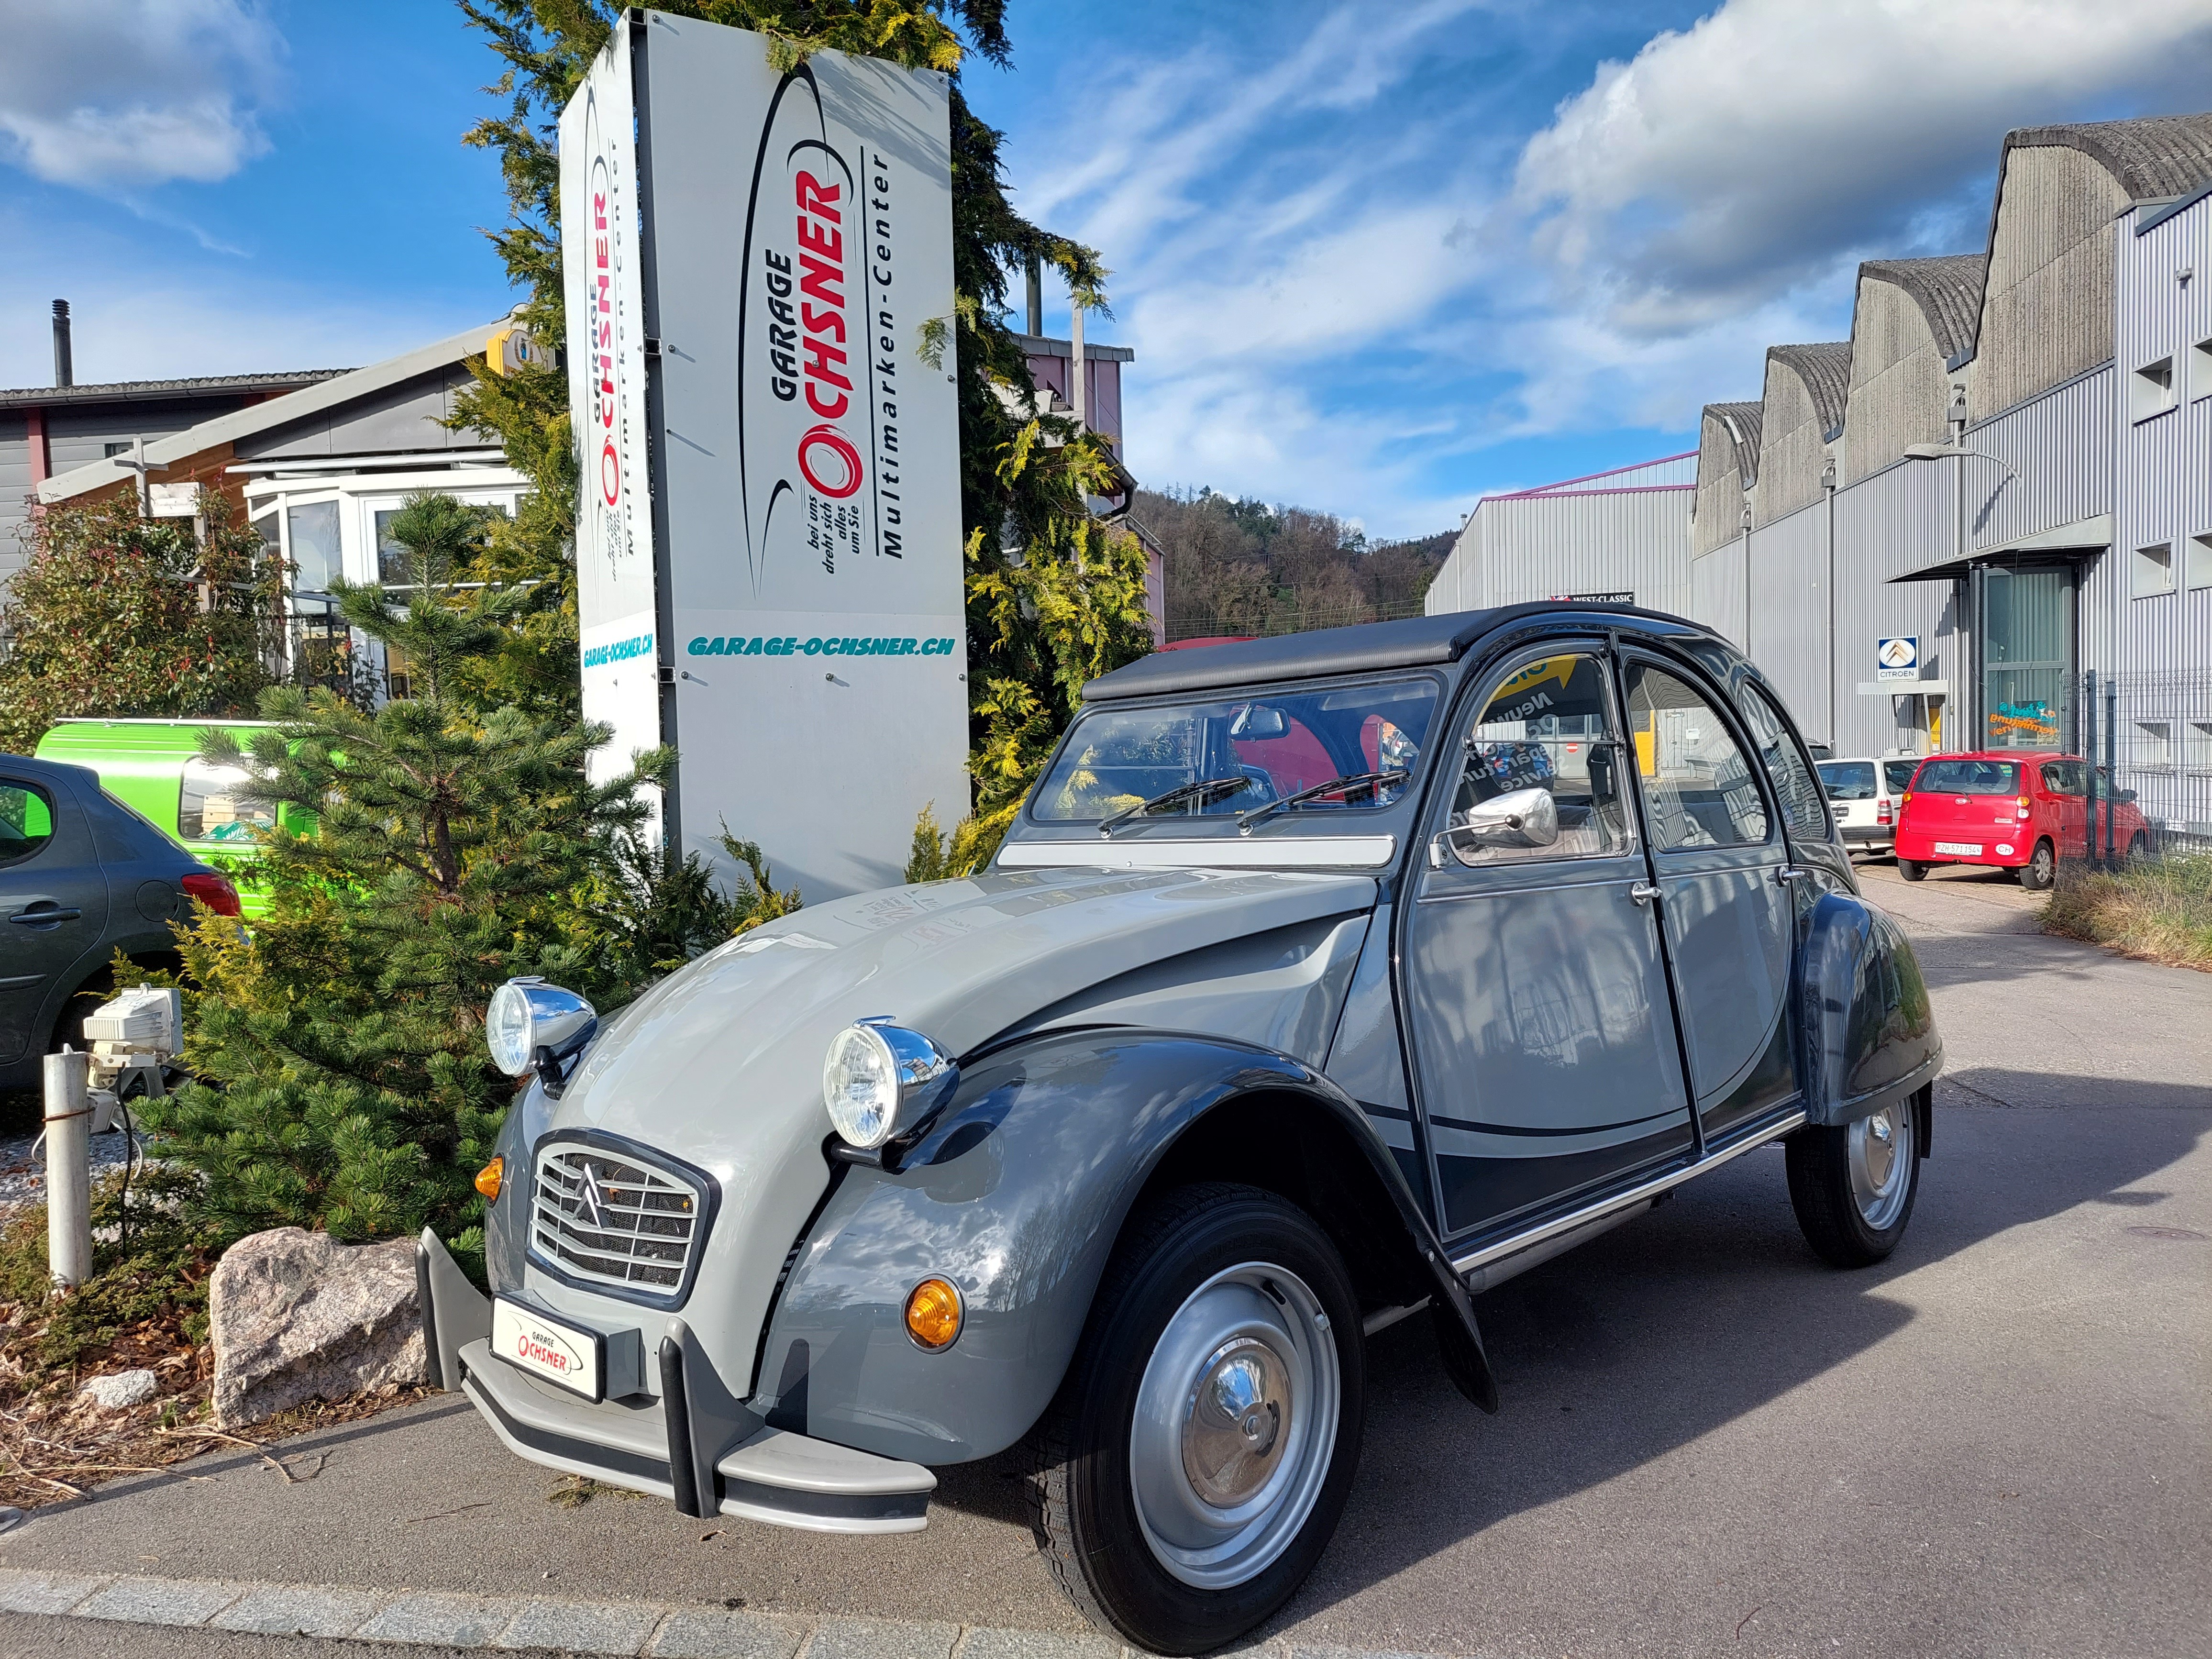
[1641,1193]
[1222,853]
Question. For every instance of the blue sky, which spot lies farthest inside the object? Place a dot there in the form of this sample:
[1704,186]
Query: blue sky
[1376,258]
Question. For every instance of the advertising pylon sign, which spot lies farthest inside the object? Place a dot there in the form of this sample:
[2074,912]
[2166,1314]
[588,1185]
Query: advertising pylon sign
[768,544]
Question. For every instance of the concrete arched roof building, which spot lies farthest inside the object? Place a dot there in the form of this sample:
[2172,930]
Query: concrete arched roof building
[1808,388]
[1727,466]
[1912,330]
[2047,303]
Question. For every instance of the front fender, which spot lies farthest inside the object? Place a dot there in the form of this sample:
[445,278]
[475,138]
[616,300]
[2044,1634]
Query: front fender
[1870,1035]
[1017,1195]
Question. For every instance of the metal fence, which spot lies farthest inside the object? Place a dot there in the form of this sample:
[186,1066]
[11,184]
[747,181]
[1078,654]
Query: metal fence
[2150,734]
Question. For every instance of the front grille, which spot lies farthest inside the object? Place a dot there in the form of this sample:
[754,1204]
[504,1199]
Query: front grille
[608,1218]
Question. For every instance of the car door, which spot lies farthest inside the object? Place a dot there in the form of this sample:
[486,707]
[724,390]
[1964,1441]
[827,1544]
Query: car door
[53,903]
[1535,985]
[1723,871]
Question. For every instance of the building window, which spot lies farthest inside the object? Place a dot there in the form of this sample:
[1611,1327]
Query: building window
[2200,746]
[2151,391]
[2200,370]
[110,451]
[2153,570]
[2200,560]
[2154,747]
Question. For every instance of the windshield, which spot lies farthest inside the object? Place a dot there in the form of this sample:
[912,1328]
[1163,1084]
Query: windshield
[1968,777]
[1281,742]
[1848,779]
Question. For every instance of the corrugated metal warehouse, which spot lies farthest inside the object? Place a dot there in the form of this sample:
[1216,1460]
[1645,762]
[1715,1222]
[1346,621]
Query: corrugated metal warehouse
[2008,464]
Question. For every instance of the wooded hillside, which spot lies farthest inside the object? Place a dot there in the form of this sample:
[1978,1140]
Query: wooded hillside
[1243,566]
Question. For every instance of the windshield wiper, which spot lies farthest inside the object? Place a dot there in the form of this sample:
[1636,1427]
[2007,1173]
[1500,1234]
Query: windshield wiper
[1204,789]
[1373,780]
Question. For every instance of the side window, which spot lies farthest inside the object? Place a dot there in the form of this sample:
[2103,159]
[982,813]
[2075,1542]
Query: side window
[213,804]
[26,821]
[1547,726]
[1698,789]
[1898,775]
[2065,777]
[1802,802]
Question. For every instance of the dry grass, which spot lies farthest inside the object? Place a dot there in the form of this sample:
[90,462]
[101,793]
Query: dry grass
[144,1308]
[2160,910]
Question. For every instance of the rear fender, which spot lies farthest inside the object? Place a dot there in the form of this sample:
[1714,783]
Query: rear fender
[1869,1034]
[1016,1196]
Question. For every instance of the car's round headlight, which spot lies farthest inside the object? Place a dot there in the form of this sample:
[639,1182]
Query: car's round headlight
[861,1086]
[527,1015]
[880,1080]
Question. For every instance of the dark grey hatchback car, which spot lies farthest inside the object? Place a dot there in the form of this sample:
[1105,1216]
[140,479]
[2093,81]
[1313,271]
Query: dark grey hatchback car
[81,876]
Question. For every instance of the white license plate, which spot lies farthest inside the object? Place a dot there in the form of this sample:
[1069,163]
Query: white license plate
[1967,849]
[566,1354]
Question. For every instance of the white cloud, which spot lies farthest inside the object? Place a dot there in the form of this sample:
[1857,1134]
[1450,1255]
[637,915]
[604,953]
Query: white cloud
[1729,162]
[110,94]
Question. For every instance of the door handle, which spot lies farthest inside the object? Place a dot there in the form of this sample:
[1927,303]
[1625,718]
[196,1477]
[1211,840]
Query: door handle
[1643,892]
[1790,873]
[35,917]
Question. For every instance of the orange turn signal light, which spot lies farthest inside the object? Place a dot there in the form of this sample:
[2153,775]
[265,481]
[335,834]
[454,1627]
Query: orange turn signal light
[934,1314]
[489,1177]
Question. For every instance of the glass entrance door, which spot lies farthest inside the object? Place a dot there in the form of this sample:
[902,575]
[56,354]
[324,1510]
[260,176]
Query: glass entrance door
[2027,656]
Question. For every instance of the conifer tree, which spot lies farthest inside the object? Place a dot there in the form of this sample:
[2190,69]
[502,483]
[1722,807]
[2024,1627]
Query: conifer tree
[1054,597]
[342,1077]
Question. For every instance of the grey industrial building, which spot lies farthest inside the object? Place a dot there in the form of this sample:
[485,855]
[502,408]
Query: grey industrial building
[2006,469]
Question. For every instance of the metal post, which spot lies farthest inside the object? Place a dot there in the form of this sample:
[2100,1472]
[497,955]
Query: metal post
[69,1169]
[1078,368]
[2089,764]
[2111,767]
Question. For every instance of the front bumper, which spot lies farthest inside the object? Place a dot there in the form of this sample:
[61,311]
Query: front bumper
[709,1455]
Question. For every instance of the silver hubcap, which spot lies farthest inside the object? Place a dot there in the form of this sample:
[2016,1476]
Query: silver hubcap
[1236,1421]
[1881,1165]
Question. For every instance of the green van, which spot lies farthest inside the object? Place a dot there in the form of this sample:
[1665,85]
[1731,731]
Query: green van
[154,767]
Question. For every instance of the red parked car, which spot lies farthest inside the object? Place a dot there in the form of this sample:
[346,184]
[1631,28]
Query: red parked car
[2017,810]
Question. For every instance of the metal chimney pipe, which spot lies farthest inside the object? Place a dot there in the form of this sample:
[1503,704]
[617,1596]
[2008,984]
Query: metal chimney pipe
[1035,297]
[65,371]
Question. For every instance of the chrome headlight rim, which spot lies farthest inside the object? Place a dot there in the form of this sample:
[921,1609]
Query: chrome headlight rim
[911,1077]
[529,1013]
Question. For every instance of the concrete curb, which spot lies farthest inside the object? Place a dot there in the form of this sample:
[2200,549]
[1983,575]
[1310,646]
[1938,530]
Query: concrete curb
[441,1619]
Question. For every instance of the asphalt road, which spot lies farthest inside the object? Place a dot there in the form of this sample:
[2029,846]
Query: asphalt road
[1999,1442]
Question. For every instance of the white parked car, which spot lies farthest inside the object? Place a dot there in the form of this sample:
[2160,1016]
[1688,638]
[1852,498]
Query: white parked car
[1865,795]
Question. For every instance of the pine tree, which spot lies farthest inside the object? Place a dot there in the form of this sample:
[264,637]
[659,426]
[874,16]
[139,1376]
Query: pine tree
[116,614]
[342,1077]
[1054,597]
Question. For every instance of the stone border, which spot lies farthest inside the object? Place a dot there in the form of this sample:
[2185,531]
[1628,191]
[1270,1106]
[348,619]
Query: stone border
[441,1619]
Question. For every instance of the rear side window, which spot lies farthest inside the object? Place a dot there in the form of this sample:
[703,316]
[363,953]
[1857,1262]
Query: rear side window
[1848,779]
[1802,802]
[1899,775]
[214,804]
[1969,777]
[1698,788]
[26,821]
[2065,777]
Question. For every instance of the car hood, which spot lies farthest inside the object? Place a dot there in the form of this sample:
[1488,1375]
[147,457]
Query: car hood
[720,1064]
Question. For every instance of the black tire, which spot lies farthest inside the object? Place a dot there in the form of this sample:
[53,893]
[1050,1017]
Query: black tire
[1844,1228]
[1911,869]
[1085,1505]
[2041,869]
[2139,848]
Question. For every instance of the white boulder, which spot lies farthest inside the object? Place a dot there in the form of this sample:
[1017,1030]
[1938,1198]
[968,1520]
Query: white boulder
[121,1390]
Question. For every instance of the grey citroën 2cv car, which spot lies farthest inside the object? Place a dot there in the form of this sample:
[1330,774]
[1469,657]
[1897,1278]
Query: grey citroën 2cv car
[1323,982]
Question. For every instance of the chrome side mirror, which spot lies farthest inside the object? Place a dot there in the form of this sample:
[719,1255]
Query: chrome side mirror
[1523,818]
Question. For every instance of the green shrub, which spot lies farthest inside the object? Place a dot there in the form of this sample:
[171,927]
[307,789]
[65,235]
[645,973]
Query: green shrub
[2159,910]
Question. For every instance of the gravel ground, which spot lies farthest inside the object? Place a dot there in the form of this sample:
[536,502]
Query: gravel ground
[23,1179]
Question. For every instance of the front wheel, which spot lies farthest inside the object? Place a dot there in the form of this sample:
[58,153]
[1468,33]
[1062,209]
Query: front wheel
[2041,870]
[1853,1186]
[1194,1463]
[1912,870]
